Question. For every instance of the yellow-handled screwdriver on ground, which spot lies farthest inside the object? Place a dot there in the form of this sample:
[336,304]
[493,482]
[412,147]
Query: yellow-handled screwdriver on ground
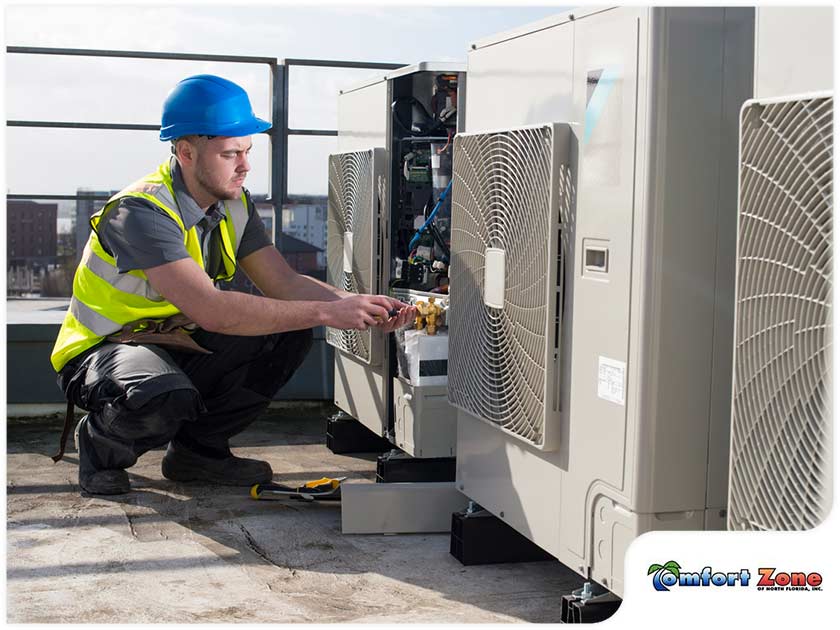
[324,489]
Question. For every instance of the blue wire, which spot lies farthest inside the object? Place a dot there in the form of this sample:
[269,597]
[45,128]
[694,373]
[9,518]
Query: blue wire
[428,222]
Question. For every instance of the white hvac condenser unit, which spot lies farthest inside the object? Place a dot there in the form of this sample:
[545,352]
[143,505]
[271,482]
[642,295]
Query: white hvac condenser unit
[592,279]
[395,142]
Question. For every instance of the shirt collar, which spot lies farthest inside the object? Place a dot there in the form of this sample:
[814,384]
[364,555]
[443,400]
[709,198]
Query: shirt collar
[191,212]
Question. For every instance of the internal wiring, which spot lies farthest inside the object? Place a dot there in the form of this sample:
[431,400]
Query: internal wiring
[431,218]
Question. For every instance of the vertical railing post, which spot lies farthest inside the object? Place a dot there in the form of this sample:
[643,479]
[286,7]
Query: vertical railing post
[279,143]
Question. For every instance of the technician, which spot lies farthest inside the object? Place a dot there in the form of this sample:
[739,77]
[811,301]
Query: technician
[151,347]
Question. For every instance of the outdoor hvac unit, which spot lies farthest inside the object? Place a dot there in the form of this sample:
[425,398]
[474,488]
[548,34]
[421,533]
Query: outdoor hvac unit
[592,295]
[392,138]
[781,466]
[353,205]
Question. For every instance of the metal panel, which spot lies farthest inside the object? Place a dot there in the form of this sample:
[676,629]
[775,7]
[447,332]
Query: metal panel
[615,528]
[534,27]
[399,508]
[739,34]
[687,204]
[605,99]
[507,477]
[362,117]
[525,81]
[424,421]
[362,391]
[793,50]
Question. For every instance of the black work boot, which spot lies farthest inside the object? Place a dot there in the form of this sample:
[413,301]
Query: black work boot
[181,464]
[105,482]
[91,480]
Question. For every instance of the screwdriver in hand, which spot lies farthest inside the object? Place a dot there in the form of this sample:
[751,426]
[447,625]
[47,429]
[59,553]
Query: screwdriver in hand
[392,313]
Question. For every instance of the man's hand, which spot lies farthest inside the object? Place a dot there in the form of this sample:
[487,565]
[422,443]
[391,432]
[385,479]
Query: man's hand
[405,314]
[359,312]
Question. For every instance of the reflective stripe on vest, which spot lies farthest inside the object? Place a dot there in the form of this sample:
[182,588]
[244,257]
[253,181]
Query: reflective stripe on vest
[104,299]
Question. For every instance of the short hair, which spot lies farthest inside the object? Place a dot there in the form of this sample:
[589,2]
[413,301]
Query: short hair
[189,138]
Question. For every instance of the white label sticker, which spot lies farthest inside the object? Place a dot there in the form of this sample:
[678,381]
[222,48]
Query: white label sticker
[611,380]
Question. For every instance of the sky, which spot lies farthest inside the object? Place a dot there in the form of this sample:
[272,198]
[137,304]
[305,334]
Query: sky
[87,89]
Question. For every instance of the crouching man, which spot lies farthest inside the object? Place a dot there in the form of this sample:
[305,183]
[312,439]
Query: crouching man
[150,347]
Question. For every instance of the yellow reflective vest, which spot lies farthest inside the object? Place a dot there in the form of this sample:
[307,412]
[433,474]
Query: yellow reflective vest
[104,300]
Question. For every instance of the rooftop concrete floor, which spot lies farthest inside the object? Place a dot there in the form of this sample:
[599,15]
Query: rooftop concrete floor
[171,552]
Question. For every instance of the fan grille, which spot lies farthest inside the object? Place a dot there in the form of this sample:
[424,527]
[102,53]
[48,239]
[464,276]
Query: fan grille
[499,357]
[350,208]
[781,435]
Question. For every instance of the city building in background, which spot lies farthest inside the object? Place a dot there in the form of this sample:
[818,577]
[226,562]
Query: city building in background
[307,221]
[302,256]
[32,241]
[44,247]
[31,229]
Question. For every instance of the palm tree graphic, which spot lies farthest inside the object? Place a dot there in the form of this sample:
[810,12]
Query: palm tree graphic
[658,569]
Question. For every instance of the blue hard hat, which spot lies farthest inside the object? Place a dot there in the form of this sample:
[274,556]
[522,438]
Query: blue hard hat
[208,105]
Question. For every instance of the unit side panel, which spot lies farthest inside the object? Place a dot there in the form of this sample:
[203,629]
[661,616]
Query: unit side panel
[361,390]
[424,421]
[794,50]
[605,97]
[522,81]
[739,32]
[512,480]
[362,118]
[681,261]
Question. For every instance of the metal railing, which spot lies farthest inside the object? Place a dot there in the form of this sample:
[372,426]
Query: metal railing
[278,134]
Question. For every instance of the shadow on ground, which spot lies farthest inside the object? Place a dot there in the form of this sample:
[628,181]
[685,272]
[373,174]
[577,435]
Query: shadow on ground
[289,556]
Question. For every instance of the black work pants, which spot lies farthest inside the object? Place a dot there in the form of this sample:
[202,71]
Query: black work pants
[140,397]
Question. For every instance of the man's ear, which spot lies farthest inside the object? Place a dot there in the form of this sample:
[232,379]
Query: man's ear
[184,150]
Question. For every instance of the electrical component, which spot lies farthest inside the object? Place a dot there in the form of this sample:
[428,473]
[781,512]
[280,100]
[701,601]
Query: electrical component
[421,216]
[417,166]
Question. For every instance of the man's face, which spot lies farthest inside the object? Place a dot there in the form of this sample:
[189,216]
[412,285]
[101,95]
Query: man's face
[221,165]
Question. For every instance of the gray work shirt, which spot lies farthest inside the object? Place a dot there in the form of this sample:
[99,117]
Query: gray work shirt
[139,235]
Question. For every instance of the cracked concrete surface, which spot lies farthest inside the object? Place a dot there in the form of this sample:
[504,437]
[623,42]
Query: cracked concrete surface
[180,553]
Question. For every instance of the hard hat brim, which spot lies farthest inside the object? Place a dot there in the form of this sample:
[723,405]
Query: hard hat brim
[233,130]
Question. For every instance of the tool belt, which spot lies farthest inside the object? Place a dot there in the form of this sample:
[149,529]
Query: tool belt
[169,333]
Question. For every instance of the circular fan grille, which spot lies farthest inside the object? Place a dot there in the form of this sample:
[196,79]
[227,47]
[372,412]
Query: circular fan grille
[350,209]
[781,463]
[502,199]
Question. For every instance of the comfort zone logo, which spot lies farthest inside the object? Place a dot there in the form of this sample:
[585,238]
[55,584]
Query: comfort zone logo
[669,575]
